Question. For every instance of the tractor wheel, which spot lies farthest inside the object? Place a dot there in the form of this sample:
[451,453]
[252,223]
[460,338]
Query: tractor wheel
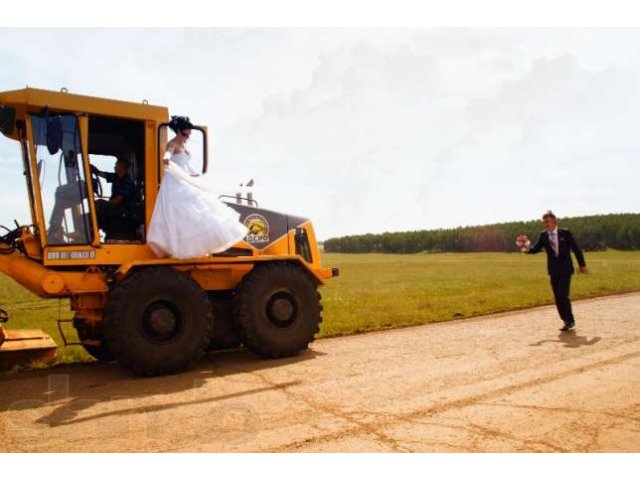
[86,332]
[277,310]
[157,321]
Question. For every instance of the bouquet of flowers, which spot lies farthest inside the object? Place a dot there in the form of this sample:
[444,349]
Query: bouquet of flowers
[523,243]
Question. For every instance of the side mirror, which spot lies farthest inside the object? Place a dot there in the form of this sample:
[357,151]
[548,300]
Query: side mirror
[7,119]
[54,134]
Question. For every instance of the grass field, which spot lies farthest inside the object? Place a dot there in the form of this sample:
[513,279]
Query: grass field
[377,291]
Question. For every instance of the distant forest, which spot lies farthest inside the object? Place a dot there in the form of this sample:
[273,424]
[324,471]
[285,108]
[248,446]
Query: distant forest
[596,232]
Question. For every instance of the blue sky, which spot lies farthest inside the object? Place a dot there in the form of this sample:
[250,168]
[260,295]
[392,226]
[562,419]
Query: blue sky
[373,130]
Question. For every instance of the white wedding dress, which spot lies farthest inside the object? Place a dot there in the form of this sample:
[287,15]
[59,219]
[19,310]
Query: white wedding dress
[189,220]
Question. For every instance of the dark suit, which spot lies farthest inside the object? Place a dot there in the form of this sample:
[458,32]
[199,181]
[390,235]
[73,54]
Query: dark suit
[560,268]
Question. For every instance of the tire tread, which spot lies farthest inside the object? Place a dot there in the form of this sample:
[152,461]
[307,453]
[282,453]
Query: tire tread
[246,293]
[124,292]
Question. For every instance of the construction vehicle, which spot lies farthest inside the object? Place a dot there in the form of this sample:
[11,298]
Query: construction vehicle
[153,315]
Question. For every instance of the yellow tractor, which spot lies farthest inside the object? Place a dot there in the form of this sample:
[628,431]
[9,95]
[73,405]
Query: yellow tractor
[153,315]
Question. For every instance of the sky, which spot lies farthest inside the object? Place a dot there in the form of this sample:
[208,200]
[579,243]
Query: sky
[372,130]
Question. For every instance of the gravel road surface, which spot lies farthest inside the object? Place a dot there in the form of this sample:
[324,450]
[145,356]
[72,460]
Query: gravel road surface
[507,382]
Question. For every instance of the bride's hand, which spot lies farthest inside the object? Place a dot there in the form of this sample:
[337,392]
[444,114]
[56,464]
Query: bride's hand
[167,155]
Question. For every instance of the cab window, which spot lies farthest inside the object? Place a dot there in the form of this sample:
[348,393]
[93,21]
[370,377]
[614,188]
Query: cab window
[62,181]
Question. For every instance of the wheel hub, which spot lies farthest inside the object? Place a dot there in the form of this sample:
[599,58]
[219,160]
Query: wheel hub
[282,309]
[161,323]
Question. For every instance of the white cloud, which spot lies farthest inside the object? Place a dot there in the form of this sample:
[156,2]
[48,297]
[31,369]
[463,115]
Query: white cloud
[373,130]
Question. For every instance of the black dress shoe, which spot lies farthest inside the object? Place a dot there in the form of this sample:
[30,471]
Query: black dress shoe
[568,326]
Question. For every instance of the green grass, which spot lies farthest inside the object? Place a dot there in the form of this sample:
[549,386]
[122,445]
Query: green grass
[377,291]
[29,311]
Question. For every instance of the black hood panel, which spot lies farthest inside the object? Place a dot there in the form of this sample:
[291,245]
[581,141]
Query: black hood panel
[265,226]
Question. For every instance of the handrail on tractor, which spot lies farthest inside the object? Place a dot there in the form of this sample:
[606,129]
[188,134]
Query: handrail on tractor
[235,197]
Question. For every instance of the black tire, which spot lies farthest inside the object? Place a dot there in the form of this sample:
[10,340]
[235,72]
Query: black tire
[277,310]
[86,332]
[157,321]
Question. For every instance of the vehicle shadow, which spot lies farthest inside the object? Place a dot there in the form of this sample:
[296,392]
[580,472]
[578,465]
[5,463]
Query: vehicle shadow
[570,340]
[72,389]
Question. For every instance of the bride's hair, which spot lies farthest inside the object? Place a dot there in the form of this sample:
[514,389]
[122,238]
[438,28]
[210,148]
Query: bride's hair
[178,123]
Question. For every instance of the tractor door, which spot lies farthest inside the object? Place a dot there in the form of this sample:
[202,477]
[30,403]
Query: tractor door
[60,188]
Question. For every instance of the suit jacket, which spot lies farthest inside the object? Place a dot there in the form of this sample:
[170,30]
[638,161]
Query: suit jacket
[562,264]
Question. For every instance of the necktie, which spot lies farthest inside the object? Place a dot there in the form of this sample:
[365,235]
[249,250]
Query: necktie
[554,242]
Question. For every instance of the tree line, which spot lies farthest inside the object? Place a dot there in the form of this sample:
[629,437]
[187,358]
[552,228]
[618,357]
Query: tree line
[620,231]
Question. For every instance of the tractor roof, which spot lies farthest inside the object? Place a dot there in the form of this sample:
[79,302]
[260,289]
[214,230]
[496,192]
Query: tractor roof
[33,100]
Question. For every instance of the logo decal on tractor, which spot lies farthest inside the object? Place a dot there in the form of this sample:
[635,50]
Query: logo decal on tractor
[258,228]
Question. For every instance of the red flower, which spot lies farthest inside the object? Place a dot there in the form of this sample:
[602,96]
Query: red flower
[523,243]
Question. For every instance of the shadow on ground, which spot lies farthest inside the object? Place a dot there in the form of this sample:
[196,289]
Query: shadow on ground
[570,340]
[72,389]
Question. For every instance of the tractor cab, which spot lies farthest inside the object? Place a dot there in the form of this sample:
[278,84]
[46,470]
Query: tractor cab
[90,164]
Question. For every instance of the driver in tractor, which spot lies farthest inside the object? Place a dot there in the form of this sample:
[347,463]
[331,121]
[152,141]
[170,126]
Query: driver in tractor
[123,193]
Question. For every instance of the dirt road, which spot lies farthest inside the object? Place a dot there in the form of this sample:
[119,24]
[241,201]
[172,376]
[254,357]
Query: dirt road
[501,383]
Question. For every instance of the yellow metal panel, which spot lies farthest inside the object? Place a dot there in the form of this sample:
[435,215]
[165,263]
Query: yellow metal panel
[24,151]
[84,282]
[152,164]
[105,254]
[31,246]
[51,283]
[83,122]
[313,243]
[33,99]
[88,301]
[279,247]
[218,277]
[26,347]
[205,261]
[42,226]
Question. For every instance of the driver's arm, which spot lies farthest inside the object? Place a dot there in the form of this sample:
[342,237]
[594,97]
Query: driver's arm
[97,172]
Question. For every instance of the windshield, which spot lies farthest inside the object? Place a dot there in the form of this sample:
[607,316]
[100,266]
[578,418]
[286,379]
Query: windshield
[62,181]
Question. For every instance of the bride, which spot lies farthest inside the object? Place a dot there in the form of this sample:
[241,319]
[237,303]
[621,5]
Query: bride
[189,220]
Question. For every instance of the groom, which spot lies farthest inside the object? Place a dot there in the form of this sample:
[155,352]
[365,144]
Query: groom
[558,243]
